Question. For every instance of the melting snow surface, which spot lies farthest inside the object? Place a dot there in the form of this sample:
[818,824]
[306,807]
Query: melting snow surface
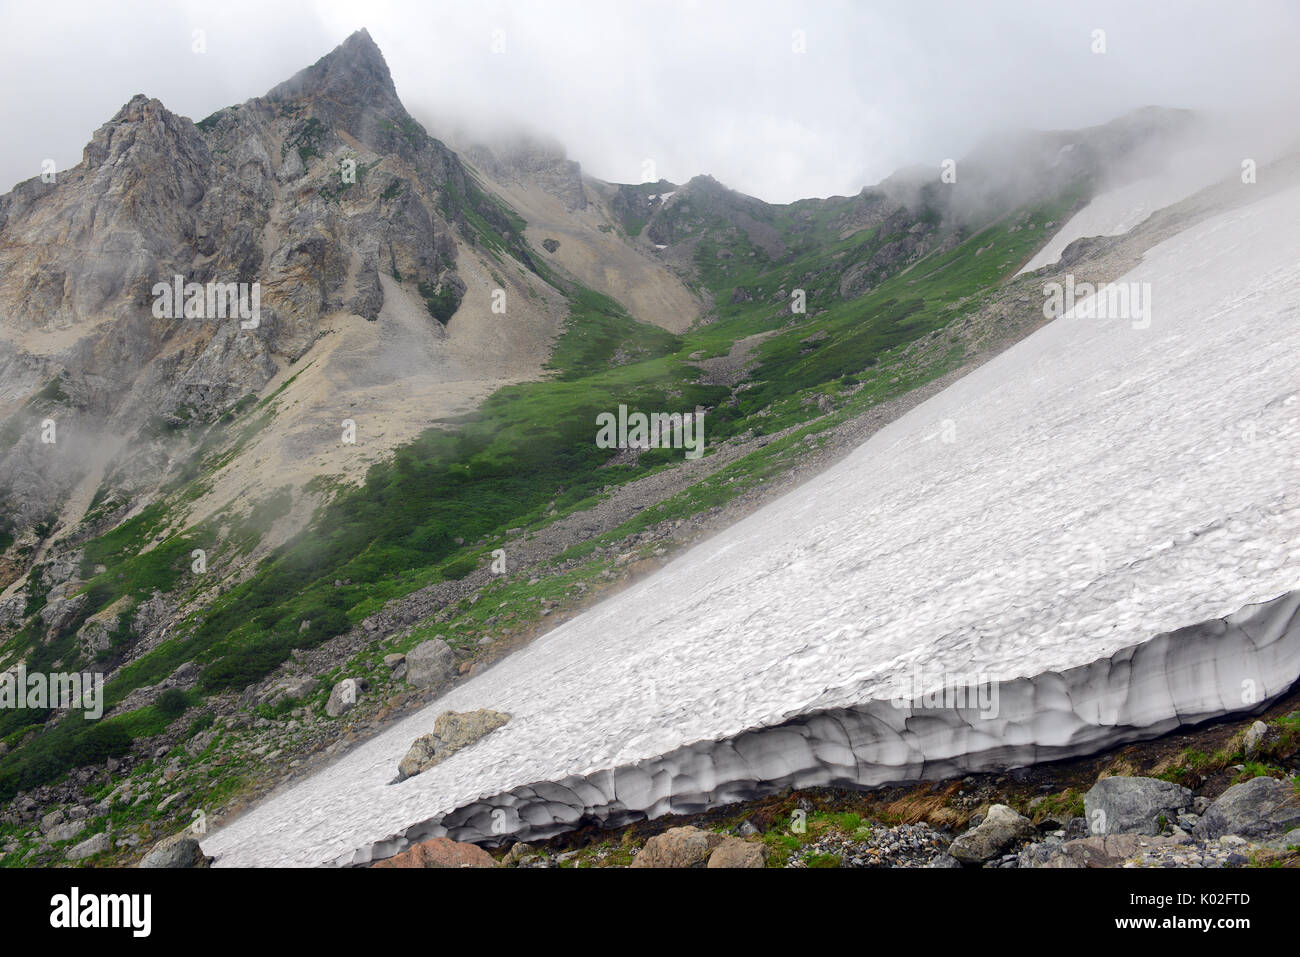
[1092,487]
[1116,211]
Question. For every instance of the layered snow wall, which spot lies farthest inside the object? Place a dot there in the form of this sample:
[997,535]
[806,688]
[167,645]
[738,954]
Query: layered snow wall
[1096,534]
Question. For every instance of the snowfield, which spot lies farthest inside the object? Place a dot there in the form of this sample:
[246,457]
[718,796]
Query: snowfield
[1118,210]
[1102,524]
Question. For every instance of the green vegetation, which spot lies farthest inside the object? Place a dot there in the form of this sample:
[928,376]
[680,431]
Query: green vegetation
[306,138]
[172,703]
[1067,804]
[442,303]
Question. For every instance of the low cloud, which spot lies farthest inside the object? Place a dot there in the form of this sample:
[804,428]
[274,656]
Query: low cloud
[776,99]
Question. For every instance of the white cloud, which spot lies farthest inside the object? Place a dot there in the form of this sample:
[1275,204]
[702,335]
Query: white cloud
[699,86]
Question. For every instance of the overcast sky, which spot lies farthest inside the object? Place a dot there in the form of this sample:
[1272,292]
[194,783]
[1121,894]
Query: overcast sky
[697,87]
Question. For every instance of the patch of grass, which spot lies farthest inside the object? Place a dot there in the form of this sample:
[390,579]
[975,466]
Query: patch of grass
[442,303]
[823,860]
[1258,769]
[1067,804]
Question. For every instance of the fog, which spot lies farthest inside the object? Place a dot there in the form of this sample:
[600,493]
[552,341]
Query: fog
[776,99]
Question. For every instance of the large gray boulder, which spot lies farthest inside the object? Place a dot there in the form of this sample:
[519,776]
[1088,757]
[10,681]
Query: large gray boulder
[430,664]
[1261,809]
[1001,828]
[343,698]
[97,844]
[179,850]
[1123,805]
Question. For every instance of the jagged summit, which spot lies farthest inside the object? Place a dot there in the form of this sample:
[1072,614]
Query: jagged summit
[353,72]
[325,193]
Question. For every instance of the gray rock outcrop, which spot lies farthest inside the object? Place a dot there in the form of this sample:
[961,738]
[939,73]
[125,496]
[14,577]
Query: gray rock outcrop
[430,664]
[1262,809]
[1001,829]
[1124,805]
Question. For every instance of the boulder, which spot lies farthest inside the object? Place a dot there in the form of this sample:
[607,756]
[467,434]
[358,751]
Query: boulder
[1255,735]
[678,847]
[200,742]
[733,852]
[295,687]
[1001,828]
[58,614]
[441,852]
[179,850]
[1122,805]
[517,853]
[422,755]
[430,664]
[97,844]
[343,698]
[1262,809]
[65,832]
[452,732]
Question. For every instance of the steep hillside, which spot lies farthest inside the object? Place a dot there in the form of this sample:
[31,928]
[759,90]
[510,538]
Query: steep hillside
[474,505]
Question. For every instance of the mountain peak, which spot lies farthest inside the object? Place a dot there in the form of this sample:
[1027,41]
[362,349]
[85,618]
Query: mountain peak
[354,71]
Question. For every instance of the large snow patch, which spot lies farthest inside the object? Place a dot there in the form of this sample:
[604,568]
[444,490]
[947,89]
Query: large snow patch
[1103,522]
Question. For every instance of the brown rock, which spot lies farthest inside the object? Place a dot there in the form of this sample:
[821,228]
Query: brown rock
[441,852]
[678,847]
[452,731]
[733,852]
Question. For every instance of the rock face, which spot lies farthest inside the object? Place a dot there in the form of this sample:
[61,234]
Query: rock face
[1122,805]
[1261,809]
[452,731]
[255,193]
[441,852]
[534,159]
[1001,828]
[430,664]
[679,847]
[179,850]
